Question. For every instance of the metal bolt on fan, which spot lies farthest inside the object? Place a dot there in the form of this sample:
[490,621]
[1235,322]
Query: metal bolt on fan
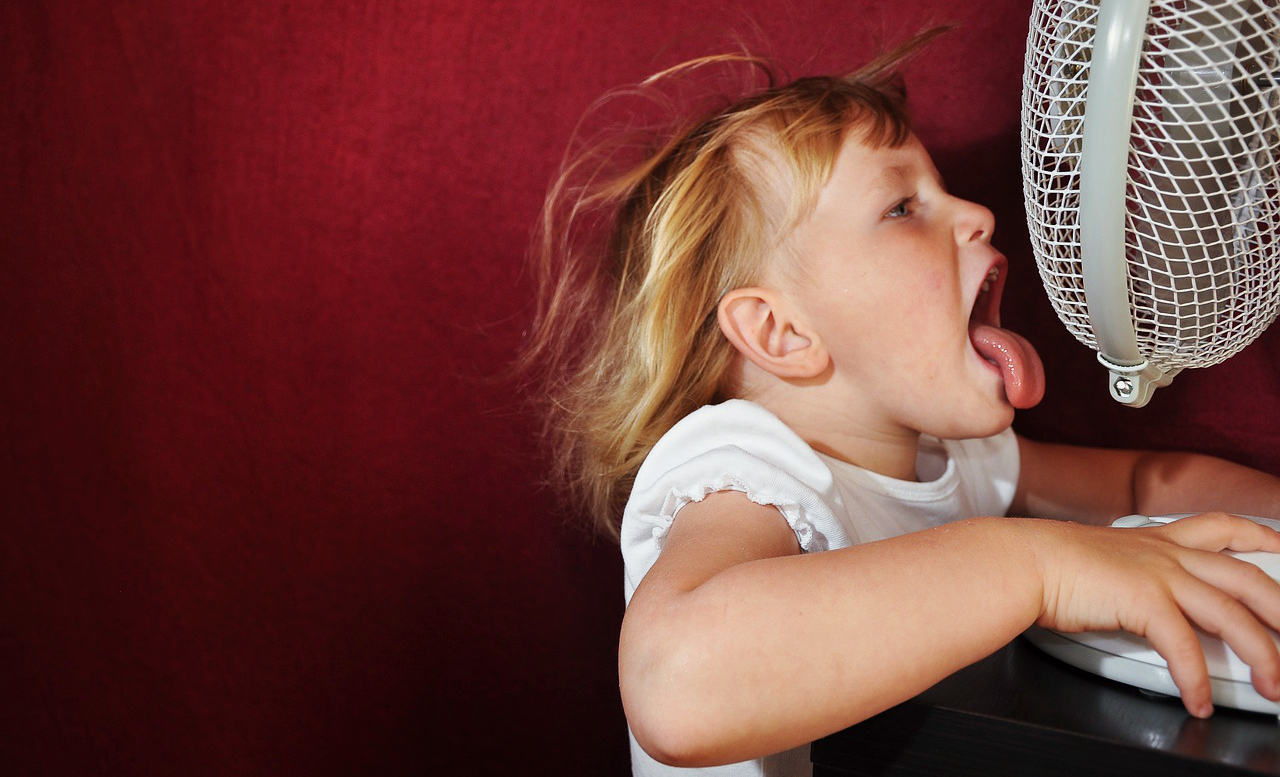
[1150,137]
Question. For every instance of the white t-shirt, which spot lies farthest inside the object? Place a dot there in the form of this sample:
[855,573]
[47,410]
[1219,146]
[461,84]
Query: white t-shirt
[740,446]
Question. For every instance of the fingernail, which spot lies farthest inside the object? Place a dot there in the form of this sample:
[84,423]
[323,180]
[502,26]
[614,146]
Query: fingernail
[1204,711]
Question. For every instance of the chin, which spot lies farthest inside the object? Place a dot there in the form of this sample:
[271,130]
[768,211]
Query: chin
[973,424]
[987,420]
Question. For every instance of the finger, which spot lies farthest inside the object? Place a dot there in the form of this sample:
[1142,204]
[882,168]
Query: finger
[1229,606]
[1221,531]
[1175,640]
[1241,580]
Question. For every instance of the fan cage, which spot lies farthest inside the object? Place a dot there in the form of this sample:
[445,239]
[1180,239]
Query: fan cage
[1202,237]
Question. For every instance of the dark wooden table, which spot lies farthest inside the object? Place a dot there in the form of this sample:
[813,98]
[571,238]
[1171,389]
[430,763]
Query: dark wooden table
[1021,712]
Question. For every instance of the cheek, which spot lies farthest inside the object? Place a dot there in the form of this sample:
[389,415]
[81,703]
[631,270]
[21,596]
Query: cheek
[936,282]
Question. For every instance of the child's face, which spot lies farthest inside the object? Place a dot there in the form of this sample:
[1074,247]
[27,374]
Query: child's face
[891,276]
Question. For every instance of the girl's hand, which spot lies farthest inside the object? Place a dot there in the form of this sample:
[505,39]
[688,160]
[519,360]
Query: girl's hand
[1157,582]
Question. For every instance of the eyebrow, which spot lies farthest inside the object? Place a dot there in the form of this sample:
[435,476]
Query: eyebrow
[896,174]
[889,176]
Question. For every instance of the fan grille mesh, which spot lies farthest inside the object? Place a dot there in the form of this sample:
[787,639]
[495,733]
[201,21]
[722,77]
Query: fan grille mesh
[1202,238]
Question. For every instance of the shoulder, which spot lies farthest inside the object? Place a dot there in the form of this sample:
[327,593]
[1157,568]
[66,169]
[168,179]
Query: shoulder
[733,446]
[735,427]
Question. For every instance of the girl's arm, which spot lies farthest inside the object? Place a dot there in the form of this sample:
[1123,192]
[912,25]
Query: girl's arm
[1122,482]
[735,645]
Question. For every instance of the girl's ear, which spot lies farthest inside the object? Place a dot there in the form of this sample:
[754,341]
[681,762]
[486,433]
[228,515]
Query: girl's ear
[758,323]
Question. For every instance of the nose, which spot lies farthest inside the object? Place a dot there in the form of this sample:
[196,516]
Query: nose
[973,222]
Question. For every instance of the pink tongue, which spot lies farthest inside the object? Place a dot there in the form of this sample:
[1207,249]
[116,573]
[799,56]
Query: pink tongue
[1018,362]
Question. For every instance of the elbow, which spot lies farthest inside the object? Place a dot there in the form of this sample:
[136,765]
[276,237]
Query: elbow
[667,715]
[667,734]
[666,742]
[1155,476]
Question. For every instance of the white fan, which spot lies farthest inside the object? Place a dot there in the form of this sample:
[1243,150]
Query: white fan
[1151,131]
[1150,136]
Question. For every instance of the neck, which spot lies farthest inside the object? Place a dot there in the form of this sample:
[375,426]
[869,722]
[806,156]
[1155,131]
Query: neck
[843,433]
[890,453]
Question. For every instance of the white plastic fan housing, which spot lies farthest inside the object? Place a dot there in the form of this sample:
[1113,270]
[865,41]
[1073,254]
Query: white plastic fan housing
[1131,659]
[1150,146]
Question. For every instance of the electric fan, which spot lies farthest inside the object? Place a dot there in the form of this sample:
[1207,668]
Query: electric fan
[1150,136]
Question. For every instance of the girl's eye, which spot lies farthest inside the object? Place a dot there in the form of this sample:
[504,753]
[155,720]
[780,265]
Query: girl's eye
[900,210]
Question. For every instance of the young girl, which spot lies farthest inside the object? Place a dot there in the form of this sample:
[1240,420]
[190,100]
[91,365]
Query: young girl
[785,359]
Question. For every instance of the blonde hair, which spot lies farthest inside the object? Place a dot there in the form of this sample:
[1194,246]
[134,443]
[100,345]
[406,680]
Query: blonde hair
[633,263]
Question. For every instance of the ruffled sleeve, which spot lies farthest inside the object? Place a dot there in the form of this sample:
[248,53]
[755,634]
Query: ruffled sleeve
[734,446]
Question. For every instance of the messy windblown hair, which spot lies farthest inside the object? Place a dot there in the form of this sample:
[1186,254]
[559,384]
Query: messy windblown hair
[632,262]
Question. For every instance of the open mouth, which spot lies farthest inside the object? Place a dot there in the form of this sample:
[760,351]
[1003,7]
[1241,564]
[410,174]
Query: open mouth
[1010,353]
[986,307]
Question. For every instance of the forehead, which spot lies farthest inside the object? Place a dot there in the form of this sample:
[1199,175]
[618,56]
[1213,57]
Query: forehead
[863,181]
[866,172]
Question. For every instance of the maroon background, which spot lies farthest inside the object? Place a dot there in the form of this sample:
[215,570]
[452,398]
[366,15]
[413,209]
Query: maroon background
[266,510]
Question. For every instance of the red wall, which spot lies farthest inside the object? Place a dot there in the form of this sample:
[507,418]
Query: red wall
[267,510]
